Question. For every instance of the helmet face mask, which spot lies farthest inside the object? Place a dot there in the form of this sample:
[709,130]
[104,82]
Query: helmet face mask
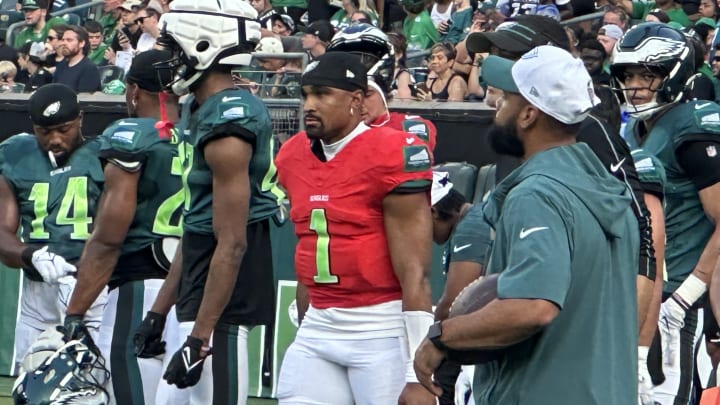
[202,34]
[665,54]
[72,374]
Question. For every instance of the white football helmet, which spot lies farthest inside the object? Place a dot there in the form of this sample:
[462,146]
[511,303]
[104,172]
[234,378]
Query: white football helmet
[203,33]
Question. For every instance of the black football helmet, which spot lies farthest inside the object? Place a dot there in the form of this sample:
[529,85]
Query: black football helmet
[660,49]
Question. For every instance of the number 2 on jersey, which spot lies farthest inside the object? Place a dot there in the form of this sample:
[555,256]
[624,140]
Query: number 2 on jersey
[318,223]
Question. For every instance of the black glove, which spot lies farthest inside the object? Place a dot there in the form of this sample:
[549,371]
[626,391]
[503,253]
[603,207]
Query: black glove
[186,364]
[74,329]
[148,336]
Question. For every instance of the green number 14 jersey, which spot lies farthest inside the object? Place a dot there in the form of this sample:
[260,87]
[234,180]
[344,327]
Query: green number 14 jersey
[57,206]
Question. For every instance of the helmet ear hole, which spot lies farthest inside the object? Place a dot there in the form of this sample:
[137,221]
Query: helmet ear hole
[202,46]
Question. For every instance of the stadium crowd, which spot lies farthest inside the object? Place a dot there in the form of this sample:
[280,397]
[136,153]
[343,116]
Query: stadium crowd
[149,244]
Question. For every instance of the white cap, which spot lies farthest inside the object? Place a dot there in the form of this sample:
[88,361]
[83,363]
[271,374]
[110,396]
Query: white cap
[548,77]
[270,45]
[612,31]
[441,186]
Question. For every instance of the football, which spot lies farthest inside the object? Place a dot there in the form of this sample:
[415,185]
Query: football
[473,297]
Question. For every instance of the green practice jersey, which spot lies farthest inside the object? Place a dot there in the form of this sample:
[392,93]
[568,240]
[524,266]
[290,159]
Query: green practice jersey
[686,225]
[227,113]
[57,206]
[134,144]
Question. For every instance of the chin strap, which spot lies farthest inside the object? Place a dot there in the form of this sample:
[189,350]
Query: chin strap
[163,126]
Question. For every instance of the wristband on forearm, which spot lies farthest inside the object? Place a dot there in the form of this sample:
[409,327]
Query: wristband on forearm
[26,256]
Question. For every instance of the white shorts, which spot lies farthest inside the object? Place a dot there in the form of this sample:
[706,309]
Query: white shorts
[42,306]
[343,372]
[224,378]
[133,381]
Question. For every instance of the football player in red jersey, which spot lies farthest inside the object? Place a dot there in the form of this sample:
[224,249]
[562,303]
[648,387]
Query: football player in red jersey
[377,54]
[362,217]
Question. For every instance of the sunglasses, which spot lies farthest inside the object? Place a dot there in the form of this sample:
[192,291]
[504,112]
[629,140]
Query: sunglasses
[140,20]
[51,38]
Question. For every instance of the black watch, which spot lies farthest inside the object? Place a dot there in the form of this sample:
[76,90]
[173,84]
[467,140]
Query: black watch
[434,335]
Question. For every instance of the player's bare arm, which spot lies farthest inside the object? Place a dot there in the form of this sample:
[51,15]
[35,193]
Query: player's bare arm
[229,160]
[10,246]
[408,224]
[657,216]
[302,300]
[710,199]
[116,211]
[459,275]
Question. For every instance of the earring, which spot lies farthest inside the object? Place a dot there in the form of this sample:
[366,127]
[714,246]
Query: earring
[134,103]
[351,111]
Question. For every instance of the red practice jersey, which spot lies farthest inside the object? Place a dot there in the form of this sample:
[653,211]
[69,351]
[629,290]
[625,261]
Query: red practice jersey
[342,254]
[414,124]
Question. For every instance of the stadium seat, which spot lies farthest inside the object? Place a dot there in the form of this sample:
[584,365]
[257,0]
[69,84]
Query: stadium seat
[7,18]
[485,182]
[110,73]
[462,175]
[72,19]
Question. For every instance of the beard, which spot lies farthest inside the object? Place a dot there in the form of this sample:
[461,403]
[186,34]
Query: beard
[314,129]
[505,141]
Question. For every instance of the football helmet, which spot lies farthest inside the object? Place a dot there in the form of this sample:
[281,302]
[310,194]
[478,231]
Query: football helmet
[663,51]
[72,373]
[203,33]
[373,47]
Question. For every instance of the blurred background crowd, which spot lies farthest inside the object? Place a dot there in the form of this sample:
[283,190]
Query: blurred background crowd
[41,42]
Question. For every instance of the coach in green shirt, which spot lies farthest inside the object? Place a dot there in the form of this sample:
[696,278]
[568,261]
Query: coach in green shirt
[565,246]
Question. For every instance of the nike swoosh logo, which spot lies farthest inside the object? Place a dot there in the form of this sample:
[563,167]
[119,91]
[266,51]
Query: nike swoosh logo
[524,233]
[703,105]
[459,248]
[616,167]
[409,140]
[187,359]
[226,99]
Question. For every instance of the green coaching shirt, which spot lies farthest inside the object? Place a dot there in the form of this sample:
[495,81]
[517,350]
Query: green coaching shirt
[565,233]
[470,240]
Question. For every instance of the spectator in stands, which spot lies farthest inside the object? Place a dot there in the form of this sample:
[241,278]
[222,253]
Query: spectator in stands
[7,52]
[125,41]
[445,84]
[657,15]
[279,72]
[616,15]
[418,28]
[54,45]
[594,56]
[705,30]
[265,12]
[638,9]
[316,37]
[363,17]
[294,8]
[709,9]
[402,78]
[608,35]
[343,17]
[110,19]
[557,9]
[8,70]
[36,21]
[456,28]
[35,65]
[716,66]
[77,71]
[282,25]
[703,84]
[147,19]
[441,12]
[95,39]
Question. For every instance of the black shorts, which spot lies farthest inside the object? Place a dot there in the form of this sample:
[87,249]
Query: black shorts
[252,301]
[136,266]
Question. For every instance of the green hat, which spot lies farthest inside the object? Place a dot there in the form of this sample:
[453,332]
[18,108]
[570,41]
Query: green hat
[31,5]
[115,87]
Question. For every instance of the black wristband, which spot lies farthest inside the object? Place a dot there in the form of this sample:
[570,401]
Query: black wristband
[26,256]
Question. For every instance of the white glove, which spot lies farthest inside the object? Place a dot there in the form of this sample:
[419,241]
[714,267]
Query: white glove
[672,319]
[463,385]
[645,385]
[51,266]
